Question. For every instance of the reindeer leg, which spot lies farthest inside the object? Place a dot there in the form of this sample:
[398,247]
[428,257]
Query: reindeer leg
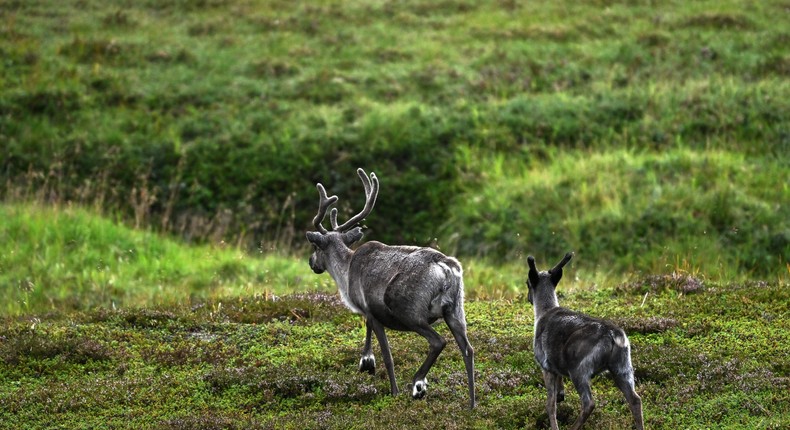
[626,384]
[457,324]
[582,384]
[550,380]
[368,362]
[436,344]
[378,329]
[560,389]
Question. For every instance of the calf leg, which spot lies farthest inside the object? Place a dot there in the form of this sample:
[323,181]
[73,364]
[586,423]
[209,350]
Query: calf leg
[582,384]
[457,325]
[378,329]
[368,362]
[436,344]
[560,389]
[552,385]
[626,384]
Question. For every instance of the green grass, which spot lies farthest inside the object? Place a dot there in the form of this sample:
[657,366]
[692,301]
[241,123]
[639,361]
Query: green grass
[716,213]
[104,326]
[180,114]
[651,139]
[62,259]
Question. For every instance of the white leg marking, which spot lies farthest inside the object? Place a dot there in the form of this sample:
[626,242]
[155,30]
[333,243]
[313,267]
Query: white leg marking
[367,364]
[419,389]
[367,358]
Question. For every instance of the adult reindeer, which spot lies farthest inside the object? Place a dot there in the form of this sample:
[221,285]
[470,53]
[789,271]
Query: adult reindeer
[578,346]
[404,288]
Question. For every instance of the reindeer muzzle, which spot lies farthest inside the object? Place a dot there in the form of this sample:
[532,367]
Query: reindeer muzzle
[316,268]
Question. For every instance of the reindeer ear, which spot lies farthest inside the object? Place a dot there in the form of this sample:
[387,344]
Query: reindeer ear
[533,272]
[352,236]
[317,239]
[556,275]
[556,272]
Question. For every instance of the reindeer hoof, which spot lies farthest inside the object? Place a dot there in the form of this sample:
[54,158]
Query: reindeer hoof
[368,364]
[419,389]
[561,396]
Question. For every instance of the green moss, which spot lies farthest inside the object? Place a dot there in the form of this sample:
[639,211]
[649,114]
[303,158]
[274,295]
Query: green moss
[715,356]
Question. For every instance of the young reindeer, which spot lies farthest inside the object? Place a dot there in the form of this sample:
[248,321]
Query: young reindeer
[404,288]
[577,346]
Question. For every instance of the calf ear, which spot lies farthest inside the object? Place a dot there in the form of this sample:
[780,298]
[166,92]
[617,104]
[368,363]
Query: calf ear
[317,239]
[533,272]
[556,272]
[556,275]
[352,236]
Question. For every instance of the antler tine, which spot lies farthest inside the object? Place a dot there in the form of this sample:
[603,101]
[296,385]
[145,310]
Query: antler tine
[323,204]
[333,218]
[371,191]
[365,181]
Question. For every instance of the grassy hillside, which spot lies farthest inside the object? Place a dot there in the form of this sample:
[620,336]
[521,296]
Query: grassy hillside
[718,213]
[214,119]
[63,259]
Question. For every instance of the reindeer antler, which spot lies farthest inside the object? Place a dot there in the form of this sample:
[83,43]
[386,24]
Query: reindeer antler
[371,191]
[323,204]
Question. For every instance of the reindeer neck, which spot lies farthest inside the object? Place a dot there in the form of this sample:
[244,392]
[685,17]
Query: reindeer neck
[338,266]
[544,303]
[338,269]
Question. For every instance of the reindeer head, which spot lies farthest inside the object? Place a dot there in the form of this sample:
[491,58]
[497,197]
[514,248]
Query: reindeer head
[541,285]
[341,236]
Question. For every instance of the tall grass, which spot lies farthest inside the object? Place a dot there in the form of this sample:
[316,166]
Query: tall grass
[713,212]
[66,258]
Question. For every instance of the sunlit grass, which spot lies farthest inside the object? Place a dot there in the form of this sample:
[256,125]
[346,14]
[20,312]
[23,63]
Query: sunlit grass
[60,258]
[648,138]
[714,213]
[67,258]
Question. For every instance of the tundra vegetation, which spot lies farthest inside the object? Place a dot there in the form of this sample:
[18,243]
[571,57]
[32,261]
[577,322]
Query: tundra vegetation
[158,161]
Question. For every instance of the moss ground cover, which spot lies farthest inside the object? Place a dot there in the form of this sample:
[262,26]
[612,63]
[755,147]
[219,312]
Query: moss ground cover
[212,337]
[715,357]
